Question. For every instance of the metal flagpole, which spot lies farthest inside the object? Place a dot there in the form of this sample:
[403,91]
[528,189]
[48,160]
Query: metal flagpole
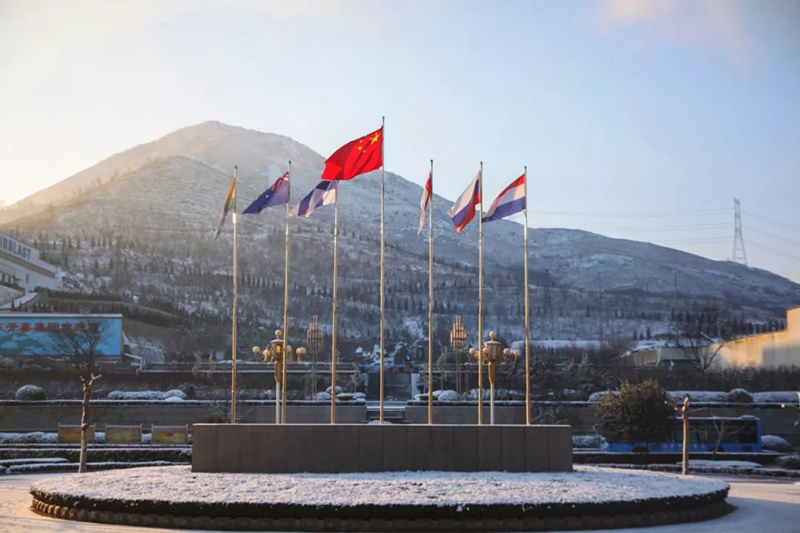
[383,243]
[430,303]
[480,301]
[333,319]
[235,297]
[527,314]
[286,297]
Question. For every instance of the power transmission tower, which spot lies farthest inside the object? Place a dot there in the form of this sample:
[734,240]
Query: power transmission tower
[739,255]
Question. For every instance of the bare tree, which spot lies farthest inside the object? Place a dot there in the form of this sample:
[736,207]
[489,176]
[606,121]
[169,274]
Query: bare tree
[702,335]
[80,341]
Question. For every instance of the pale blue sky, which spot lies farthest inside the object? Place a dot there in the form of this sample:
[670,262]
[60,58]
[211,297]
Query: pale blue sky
[618,107]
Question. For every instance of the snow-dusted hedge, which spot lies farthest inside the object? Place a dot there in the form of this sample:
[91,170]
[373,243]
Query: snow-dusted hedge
[445,396]
[774,443]
[734,396]
[34,437]
[787,396]
[739,396]
[698,396]
[30,393]
[588,441]
[595,397]
[588,491]
[790,462]
[170,395]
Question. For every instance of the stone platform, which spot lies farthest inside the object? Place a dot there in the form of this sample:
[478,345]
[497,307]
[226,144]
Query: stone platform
[343,448]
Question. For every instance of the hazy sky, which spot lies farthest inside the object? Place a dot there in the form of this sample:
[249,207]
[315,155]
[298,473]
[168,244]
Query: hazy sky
[636,119]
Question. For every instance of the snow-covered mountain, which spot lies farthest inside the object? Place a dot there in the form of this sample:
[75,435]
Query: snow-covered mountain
[158,203]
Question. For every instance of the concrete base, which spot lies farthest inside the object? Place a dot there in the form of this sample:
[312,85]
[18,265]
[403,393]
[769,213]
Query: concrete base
[341,448]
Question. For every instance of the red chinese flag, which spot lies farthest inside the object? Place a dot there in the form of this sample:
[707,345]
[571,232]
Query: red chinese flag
[355,158]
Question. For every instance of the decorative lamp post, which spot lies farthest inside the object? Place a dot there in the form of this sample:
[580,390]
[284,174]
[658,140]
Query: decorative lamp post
[314,340]
[495,354]
[279,354]
[458,340]
[476,355]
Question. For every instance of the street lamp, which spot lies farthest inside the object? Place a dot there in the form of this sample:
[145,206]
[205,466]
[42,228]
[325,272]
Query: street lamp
[495,354]
[458,340]
[276,352]
[314,340]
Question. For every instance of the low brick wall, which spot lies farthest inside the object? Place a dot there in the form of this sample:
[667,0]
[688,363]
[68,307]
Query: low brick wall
[580,415]
[380,448]
[45,416]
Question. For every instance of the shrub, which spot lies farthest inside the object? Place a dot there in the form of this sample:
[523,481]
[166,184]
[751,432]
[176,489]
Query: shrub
[30,393]
[774,443]
[791,462]
[189,390]
[446,396]
[739,396]
[640,413]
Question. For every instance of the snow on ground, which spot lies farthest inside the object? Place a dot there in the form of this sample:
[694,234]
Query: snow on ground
[22,300]
[726,464]
[180,484]
[30,467]
[32,460]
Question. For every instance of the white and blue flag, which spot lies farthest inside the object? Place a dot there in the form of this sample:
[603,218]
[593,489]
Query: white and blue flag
[322,194]
[463,211]
[509,202]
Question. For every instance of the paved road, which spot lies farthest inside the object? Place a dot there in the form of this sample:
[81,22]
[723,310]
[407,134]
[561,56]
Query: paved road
[762,506]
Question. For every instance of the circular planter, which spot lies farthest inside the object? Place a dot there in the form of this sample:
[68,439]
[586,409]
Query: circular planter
[395,501]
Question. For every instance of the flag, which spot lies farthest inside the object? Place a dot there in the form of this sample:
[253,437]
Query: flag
[509,202]
[276,194]
[230,204]
[356,157]
[426,199]
[463,211]
[322,194]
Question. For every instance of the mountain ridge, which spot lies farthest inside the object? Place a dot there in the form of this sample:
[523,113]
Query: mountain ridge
[163,213]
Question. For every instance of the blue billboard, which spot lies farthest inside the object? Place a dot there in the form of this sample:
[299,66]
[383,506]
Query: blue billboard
[24,334]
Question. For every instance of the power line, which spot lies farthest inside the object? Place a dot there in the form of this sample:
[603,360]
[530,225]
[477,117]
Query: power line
[701,227]
[652,214]
[779,252]
[699,241]
[772,221]
[774,236]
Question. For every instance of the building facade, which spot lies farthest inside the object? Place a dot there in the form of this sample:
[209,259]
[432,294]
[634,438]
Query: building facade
[20,265]
[767,350]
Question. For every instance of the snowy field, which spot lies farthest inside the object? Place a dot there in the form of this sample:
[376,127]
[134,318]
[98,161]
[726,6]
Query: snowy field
[179,484]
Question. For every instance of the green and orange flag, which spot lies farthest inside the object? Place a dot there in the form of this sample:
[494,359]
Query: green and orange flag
[230,204]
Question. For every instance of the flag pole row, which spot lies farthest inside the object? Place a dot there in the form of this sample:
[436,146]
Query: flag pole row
[353,159]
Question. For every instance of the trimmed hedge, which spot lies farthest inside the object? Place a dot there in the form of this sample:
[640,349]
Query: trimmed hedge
[385,512]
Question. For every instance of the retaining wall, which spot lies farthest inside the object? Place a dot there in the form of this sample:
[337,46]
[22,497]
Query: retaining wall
[45,416]
[580,415]
[379,448]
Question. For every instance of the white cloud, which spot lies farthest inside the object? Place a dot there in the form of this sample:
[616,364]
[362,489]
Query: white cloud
[714,23]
